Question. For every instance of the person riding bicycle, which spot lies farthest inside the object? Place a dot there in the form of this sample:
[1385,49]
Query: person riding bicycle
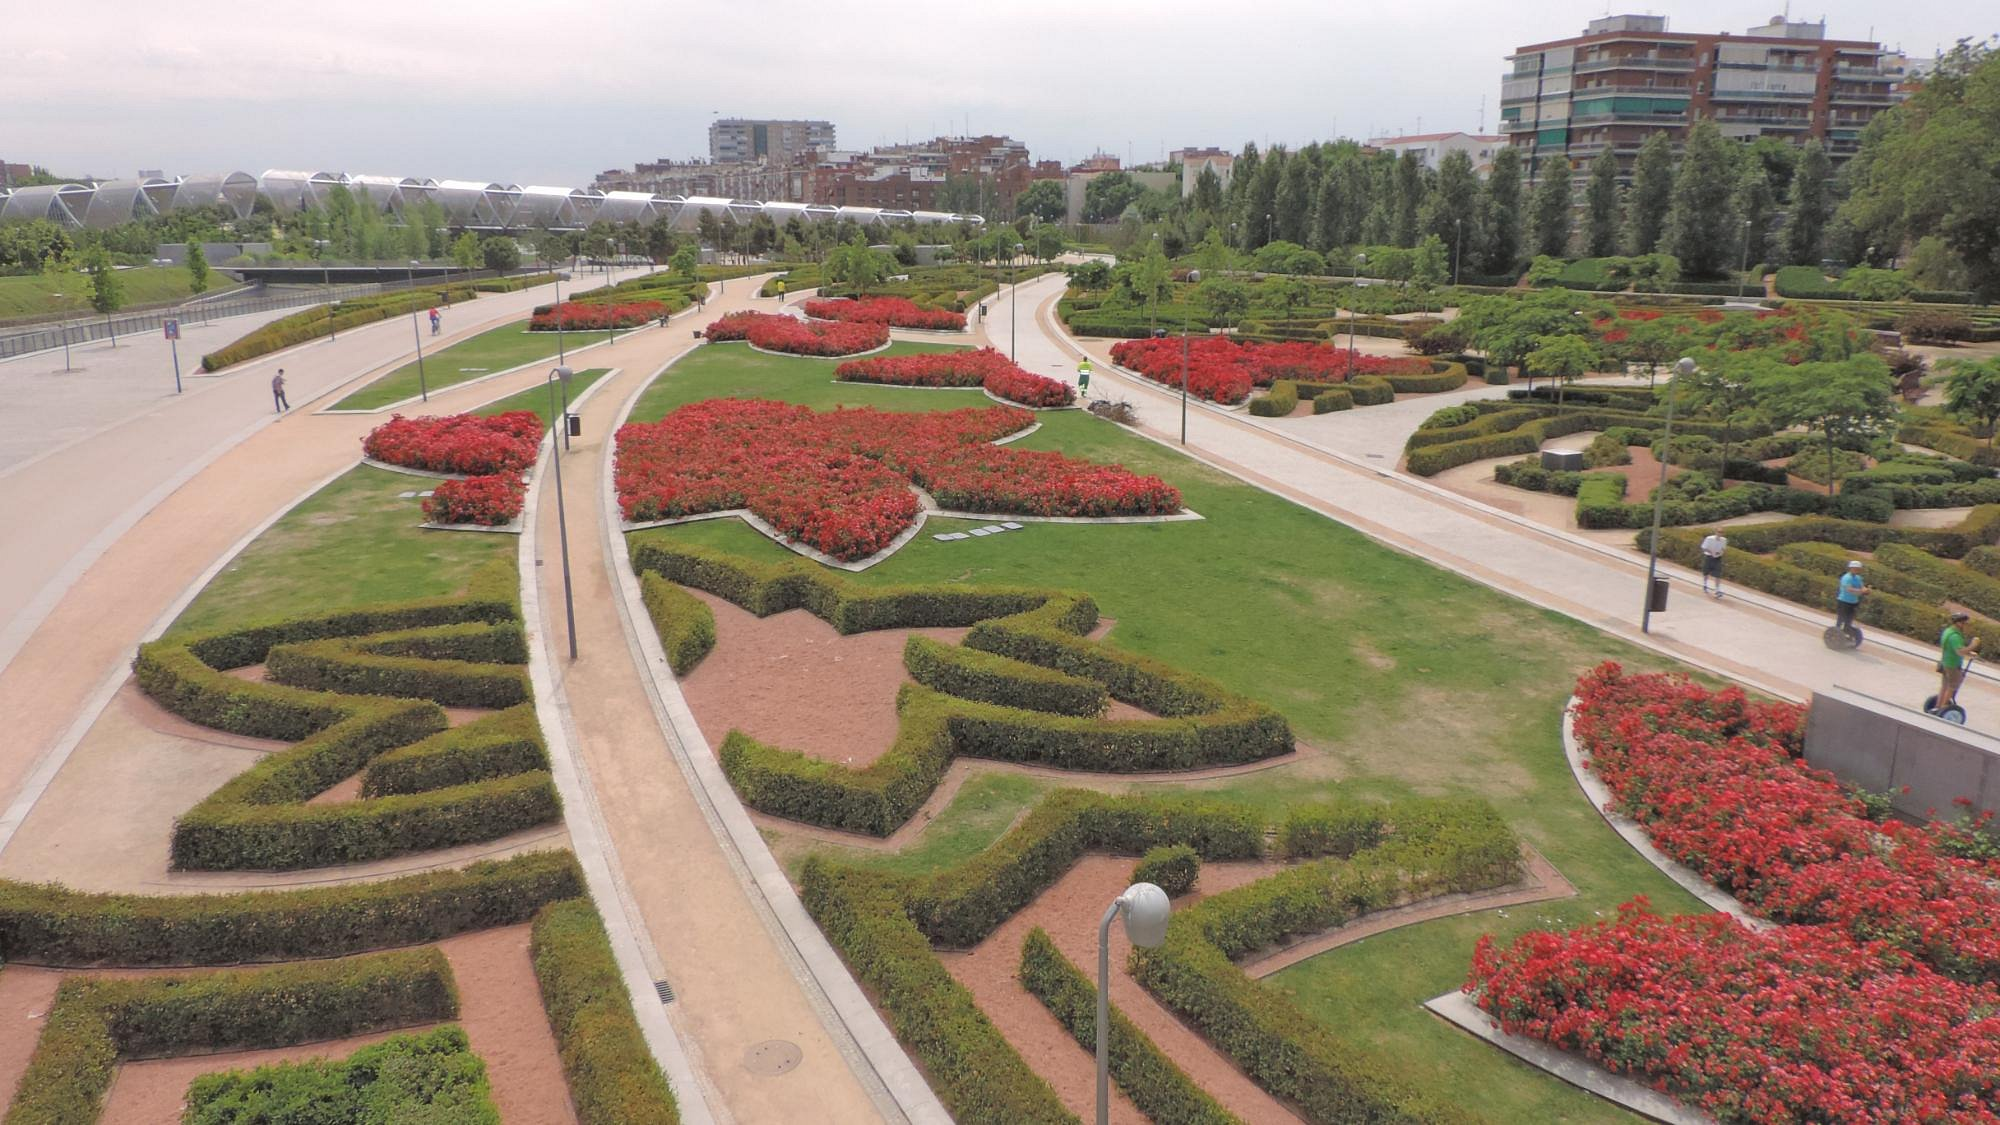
[1954,654]
[1852,590]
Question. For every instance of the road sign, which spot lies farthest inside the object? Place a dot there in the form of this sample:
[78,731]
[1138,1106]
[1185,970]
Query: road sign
[172,328]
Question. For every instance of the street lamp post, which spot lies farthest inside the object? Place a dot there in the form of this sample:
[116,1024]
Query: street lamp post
[1743,278]
[423,385]
[326,283]
[1146,910]
[1013,300]
[1683,367]
[561,276]
[562,518]
[1194,276]
[1458,249]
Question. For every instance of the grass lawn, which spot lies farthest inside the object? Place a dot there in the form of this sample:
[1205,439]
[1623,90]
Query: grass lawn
[354,542]
[1407,680]
[537,398]
[732,370]
[494,350]
[29,294]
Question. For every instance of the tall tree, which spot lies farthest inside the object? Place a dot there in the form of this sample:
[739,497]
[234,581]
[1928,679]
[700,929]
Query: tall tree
[107,290]
[1501,223]
[1260,202]
[1549,210]
[1842,399]
[1409,196]
[1330,210]
[1600,207]
[1044,200]
[1754,204]
[1451,212]
[1702,228]
[1242,173]
[197,267]
[1651,194]
[1972,392]
[1293,201]
[1812,206]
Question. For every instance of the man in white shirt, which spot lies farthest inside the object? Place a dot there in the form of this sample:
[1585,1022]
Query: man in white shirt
[1711,561]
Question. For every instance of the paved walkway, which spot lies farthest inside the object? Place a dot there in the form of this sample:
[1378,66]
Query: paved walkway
[1771,645]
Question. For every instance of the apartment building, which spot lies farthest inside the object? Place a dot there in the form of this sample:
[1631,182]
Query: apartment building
[1628,77]
[1195,161]
[735,140]
[910,175]
[722,179]
[1431,148]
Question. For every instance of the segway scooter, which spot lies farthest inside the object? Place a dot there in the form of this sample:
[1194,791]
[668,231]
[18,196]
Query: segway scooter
[1956,712]
[1841,639]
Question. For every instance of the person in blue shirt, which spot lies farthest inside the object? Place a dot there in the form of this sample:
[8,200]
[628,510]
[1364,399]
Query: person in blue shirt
[1852,590]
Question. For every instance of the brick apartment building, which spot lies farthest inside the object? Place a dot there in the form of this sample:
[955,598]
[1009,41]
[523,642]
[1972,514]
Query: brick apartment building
[910,176]
[1627,77]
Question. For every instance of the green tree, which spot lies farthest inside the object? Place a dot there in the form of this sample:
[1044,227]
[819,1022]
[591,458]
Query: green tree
[1107,195]
[1869,284]
[197,267]
[1702,227]
[1451,211]
[1206,199]
[1811,206]
[1293,203]
[1972,392]
[1841,399]
[1600,207]
[1549,211]
[465,251]
[1562,358]
[1408,198]
[1260,204]
[1754,203]
[1654,342]
[1043,200]
[499,254]
[1152,278]
[1430,263]
[1046,242]
[1500,223]
[1545,268]
[1224,299]
[855,265]
[107,291]
[686,260]
[1285,295]
[1651,194]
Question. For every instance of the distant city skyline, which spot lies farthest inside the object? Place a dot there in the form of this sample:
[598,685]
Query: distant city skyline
[480,91]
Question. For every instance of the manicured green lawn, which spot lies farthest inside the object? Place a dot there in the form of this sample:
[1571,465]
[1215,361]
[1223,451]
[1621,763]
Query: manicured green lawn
[494,350]
[354,542]
[732,370]
[537,398]
[29,294]
[1404,678]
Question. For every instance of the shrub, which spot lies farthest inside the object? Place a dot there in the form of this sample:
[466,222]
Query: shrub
[499,745]
[94,1023]
[613,1078]
[684,622]
[434,1075]
[1279,402]
[1328,401]
[1450,416]
[983,367]
[45,924]
[1172,867]
[313,323]
[1805,281]
[1933,326]
[988,678]
[1335,828]
[1160,1090]
[471,444]
[488,501]
[895,312]
[1370,390]
[596,316]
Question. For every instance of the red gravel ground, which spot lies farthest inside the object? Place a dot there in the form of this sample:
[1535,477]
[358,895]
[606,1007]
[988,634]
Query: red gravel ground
[1069,911]
[500,1010]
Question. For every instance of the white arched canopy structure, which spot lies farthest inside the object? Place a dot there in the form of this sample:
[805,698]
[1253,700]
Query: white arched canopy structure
[61,203]
[236,191]
[631,207]
[118,201]
[295,191]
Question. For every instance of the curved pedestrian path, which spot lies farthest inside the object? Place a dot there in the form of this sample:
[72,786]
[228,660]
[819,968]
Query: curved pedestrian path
[1346,470]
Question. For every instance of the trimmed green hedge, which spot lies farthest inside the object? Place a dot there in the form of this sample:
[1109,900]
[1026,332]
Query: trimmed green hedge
[1438,847]
[260,819]
[94,1023]
[613,1078]
[1278,402]
[1007,718]
[499,745]
[685,624]
[1161,1090]
[315,322]
[46,924]
[1333,828]
[1173,868]
[978,1075]
[1522,428]
[429,1076]
[969,673]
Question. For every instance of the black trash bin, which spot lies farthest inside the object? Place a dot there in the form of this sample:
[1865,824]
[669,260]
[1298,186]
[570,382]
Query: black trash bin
[1658,599]
[576,430]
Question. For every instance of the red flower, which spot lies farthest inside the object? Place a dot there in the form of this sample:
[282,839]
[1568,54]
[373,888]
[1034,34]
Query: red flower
[1223,369]
[491,500]
[575,316]
[775,333]
[983,367]
[895,312]
[458,443]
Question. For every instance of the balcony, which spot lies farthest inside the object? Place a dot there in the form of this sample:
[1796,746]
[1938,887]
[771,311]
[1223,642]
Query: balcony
[1634,62]
[1861,99]
[1761,96]
[1629,117]
[1764,120]
[1644,91]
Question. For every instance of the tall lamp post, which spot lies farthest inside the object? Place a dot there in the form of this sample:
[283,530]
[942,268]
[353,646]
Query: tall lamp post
[561,418]
[1013,299]
[1360,263]
[1743,279]
[1146,911]
[423,385]
[1458,249]
[1682,367]
[326,284]
[561,276]
[1194,276]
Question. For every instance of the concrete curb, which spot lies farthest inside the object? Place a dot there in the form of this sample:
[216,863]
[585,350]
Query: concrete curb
[867,1043]
[1634,833]
[591,841]
[1458,1009]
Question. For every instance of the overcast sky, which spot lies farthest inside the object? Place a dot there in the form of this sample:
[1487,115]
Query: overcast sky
[551,93]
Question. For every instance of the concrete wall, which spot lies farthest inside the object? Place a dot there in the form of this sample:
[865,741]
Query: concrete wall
[1885,747]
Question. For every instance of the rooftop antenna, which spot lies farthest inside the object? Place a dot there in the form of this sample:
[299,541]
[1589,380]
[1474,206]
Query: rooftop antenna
[1482,113]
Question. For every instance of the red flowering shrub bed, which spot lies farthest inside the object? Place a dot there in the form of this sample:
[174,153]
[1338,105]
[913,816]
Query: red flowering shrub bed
[574,316]
[895,312]
[1223,369]
[1877,999]
[983,367]
[840,481]
[1803,1024]
[491,500]
[458,443]
[789,334]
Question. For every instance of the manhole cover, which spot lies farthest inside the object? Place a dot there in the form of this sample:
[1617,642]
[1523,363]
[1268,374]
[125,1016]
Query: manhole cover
[772,1057]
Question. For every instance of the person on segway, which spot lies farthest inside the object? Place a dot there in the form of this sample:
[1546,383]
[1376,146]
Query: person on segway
[1848,600]
[1955,653]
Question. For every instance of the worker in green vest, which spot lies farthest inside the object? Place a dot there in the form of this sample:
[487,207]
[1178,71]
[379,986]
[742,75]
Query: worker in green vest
[1083,377]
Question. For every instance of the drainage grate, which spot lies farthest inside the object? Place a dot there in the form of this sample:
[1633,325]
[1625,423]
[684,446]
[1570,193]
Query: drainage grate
[664,990]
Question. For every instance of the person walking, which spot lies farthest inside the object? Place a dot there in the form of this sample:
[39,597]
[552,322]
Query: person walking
[1083,378]
[1711,561]
[278,399]
[436,320]
[1848,600]
[1954,653]
[781,290]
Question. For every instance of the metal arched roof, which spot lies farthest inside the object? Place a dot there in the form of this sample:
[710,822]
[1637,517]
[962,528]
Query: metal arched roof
[294,191]
[118,201]
[62,203]
[237,191]
[631,207]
